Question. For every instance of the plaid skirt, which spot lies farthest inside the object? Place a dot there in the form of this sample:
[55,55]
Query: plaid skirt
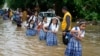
[74,48]
[42,35]
[51,39]
[31,32]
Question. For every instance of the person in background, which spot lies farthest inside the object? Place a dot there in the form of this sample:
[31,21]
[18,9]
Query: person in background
[33,16]
[74,47]
[42,34]
[5,15]
[10,14]
[66,24]
[24,15]
[52,29]
[29,13]
[17,18]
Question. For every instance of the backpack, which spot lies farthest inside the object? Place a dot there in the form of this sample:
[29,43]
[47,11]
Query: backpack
[64,23]
[69,36]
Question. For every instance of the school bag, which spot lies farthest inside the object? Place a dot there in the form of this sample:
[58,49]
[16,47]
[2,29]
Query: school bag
[40,26]
[64,23]
[69,36]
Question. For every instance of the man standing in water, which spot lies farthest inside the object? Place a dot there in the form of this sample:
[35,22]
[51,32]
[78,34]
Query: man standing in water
[66,24]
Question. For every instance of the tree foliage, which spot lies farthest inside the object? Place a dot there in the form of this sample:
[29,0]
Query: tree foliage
[88,9]
[1,3]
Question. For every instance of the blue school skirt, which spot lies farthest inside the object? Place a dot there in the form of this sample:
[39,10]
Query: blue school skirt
[42,35]
[51,39]
[31,32]
[74,48]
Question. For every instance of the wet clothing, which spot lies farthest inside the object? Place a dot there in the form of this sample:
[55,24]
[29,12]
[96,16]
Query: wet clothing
[74,47]
[17,19]
[42,34]
[31,30]
[51,38]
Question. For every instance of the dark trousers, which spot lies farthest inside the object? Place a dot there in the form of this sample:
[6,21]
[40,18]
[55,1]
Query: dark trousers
[64,40]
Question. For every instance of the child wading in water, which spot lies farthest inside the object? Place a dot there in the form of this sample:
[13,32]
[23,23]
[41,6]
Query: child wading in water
[35,19]
[31,28]
[74,47]
[52,29]
[42,34]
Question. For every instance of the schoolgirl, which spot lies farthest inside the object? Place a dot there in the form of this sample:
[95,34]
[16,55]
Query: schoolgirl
[31,28]
[74,47]
[52,29]
[42,34]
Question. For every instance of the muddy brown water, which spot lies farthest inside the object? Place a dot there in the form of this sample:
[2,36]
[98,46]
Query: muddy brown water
[14,42]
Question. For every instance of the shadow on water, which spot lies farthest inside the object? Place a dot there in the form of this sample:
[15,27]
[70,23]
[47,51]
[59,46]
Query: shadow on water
[14,42]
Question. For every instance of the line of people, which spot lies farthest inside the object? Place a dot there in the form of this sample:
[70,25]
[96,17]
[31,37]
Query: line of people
[48,31]
[36,25]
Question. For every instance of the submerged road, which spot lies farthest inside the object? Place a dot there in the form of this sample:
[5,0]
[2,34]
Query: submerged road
[14,42]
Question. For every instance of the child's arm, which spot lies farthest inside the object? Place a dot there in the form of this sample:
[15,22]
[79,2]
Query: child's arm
[78,35]
[44,28]
[56,30]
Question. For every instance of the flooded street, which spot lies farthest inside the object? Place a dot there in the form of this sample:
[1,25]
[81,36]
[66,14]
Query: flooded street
[14,42]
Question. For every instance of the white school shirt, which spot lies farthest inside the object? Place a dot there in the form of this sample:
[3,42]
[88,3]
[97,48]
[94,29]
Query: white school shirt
[31,25]
[32,17]
[78,29]
[44,24]
[54,27]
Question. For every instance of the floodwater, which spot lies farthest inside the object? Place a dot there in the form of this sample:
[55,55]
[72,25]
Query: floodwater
[14,42]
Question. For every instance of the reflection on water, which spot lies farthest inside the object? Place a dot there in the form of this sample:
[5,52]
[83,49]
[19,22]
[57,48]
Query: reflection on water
[13,42]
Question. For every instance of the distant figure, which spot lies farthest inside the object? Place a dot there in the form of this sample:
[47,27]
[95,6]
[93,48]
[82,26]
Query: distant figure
[74,47]
[66,24]
[52,29]
[17,19]
[5,15]
[24,15]
[10,13]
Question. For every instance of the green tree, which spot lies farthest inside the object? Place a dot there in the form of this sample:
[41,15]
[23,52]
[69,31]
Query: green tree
[1,3]
[88,9]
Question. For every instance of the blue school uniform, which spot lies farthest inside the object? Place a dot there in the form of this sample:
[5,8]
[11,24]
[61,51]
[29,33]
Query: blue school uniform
[42,35]
[74,48]
[51,38]
[31,31]
[17,19]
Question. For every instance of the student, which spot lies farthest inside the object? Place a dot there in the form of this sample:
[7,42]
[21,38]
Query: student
[31,28]
[42,34]
[52,29]
[34,17]
[17,19]
[74,47]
